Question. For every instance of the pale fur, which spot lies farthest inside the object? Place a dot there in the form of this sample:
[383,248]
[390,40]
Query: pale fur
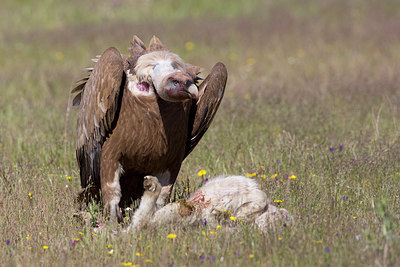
[214,202]
[144,214]
[166,188]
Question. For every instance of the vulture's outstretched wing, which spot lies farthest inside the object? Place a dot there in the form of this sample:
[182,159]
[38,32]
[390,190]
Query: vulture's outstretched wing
[211,92]
[100,99]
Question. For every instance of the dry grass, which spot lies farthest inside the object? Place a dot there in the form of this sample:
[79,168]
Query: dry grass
[313,92]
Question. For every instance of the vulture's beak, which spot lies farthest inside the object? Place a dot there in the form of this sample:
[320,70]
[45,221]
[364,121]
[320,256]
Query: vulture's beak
[193,91]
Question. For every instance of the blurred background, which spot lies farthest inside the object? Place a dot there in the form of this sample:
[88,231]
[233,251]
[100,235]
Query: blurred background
[313,93]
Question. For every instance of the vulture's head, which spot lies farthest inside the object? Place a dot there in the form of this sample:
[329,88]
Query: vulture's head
[165,73]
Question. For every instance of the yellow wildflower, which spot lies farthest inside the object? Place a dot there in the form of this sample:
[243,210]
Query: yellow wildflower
[80,233]
[278,201]
[263,176]
[201,173]
[148,260]
[28,237]
[59,55]
[251,61]
[126,263]
[171,236]
[189,46]
[251,256]
[233,56]
[233,218]
[30,195]
[45,247]
[274,175]
[218,226]
[279,238]
[293,177]
[68,177]
[251,174]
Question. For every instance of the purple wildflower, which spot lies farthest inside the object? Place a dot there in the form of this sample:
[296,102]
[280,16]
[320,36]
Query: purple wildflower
[352,160]
[8,242]
[171,264]
[278,161]
[202,257]
[237,253]
[35,160]
[29,166]
[340,147]
[51,160]
[206,180]
[344,198]
[204,222]
[331,149]
[328,250]
[211,259]
[72,243]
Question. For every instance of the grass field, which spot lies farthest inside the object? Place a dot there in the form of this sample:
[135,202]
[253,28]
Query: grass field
[313,92]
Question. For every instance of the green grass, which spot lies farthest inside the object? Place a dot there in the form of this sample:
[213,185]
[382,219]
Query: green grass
[304,77]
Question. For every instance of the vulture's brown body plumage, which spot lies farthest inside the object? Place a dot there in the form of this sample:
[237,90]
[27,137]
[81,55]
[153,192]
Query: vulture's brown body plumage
[126,132]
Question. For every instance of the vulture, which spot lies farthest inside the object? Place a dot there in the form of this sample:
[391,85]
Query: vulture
[220,198]
[140,115]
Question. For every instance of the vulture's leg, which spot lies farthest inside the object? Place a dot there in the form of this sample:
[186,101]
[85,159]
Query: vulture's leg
[144,213]
[110,187]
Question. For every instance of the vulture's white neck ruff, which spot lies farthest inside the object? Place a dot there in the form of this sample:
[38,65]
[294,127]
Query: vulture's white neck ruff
[152,68]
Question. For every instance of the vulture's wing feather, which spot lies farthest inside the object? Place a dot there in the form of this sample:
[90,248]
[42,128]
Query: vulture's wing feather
[100,99]
[211,92]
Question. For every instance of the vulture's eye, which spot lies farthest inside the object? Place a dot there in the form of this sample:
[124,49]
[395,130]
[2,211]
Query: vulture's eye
[175,82]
